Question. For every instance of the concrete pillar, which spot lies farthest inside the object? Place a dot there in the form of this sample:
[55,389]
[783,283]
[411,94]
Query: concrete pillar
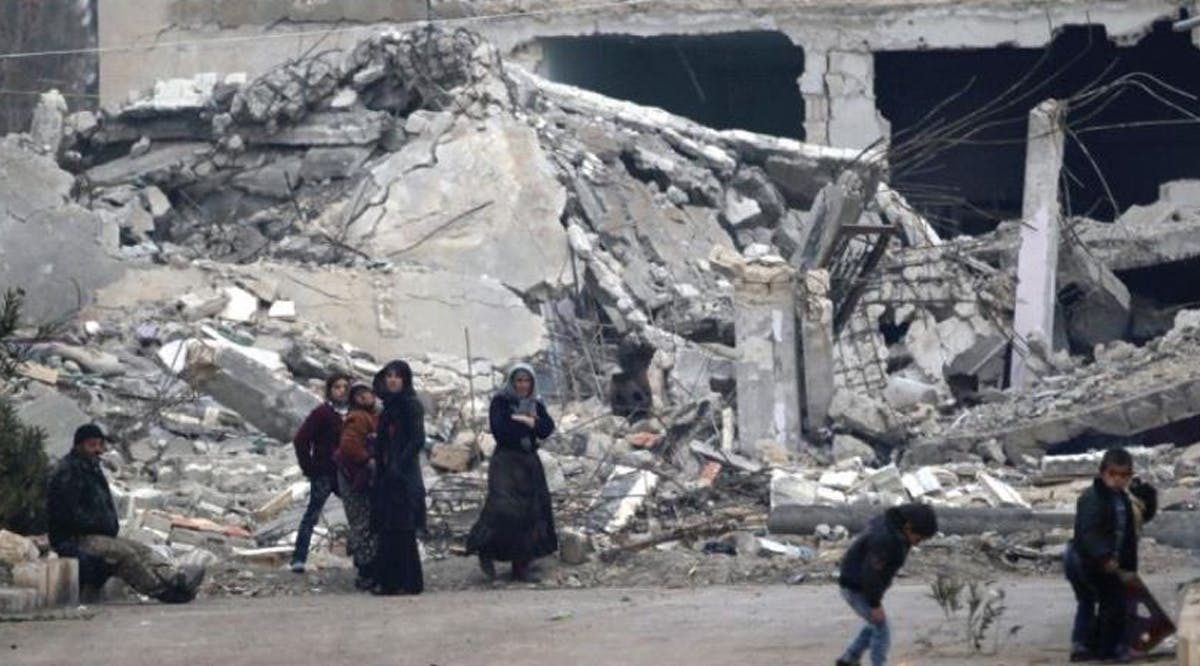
[816,101]
[768,397]
[853,121]
[1037,262]
[814,312]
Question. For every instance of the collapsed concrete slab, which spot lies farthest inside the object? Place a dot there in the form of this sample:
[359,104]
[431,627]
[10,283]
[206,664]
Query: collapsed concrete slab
[1138,391]
[272,404]
[57,252]
[483,203]
[1097,308]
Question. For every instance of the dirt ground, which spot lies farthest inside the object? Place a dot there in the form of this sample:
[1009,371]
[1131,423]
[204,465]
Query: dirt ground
[519,625]
[675,606]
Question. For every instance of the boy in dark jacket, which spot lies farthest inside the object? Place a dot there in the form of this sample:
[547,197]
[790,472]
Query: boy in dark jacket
[1102,553]
[315,442]
[868,569]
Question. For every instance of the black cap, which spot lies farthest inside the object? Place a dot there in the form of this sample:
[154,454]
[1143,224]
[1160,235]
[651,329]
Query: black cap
[89,431]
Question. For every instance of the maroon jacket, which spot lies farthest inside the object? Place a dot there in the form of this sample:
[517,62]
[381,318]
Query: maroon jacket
[317,439]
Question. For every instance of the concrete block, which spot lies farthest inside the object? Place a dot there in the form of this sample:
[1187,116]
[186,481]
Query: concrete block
[619,499]
[846,447]
[240,305]
[573,545]
[902,392]
[14,600]
[15,549]
[999,493]
[924,481]
[275,405]
[839,480]
[55,580]
[62,582]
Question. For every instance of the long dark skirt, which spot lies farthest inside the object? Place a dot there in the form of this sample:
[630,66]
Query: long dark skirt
[398,562]
[517,521]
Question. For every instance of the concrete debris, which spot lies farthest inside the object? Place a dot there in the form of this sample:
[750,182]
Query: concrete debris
[624,492]
[274,405]
[999,493]
[866,417]
[703,307]
[240,305]
[15,549]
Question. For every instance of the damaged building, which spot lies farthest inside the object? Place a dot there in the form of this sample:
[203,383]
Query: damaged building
[762,259]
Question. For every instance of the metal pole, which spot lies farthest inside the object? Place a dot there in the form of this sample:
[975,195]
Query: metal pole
[470,374]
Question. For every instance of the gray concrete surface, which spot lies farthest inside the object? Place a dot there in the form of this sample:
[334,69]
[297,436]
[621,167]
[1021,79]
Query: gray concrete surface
[714,625]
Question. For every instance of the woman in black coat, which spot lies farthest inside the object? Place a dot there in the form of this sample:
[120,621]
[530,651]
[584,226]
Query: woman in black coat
[517,521]
[398,494]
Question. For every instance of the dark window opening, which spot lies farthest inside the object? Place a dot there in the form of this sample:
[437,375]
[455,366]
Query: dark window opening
[1157,293]
[737,80]
[970,186]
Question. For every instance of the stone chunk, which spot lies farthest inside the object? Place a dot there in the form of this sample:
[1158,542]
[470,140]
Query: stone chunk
[46,130]
[921,482]
[201,305]
[574,545]
[999,493]
[788,488]
[865,417]
[15,600]
[321,164]
[619,499]
[240,305]
[58,416]
[846,447]
[452,457]
[274,405]
[902,392]
[15,549]
[56,580]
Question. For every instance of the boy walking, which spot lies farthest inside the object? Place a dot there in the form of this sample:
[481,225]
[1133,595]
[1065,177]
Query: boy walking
[868,569]
[1102,554]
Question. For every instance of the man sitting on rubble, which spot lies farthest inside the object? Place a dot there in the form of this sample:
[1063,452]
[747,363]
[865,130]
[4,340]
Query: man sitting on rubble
[83,525]
[1103,555]
[868,568]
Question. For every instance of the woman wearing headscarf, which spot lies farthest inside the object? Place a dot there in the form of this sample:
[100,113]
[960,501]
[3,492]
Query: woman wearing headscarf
[398,494]
[355,462]
[517,521]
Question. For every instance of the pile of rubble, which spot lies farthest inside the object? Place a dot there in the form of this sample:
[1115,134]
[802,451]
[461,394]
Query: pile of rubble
[725,324]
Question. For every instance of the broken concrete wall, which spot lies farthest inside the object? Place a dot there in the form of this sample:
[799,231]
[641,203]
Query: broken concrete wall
[767,381]
[55,250]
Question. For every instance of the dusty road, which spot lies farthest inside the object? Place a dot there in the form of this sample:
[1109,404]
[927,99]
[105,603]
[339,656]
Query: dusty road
[713,625]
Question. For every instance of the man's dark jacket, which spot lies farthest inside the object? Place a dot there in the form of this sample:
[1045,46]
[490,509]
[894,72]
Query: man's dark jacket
[872,561]
[1096,529]
[78,503]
